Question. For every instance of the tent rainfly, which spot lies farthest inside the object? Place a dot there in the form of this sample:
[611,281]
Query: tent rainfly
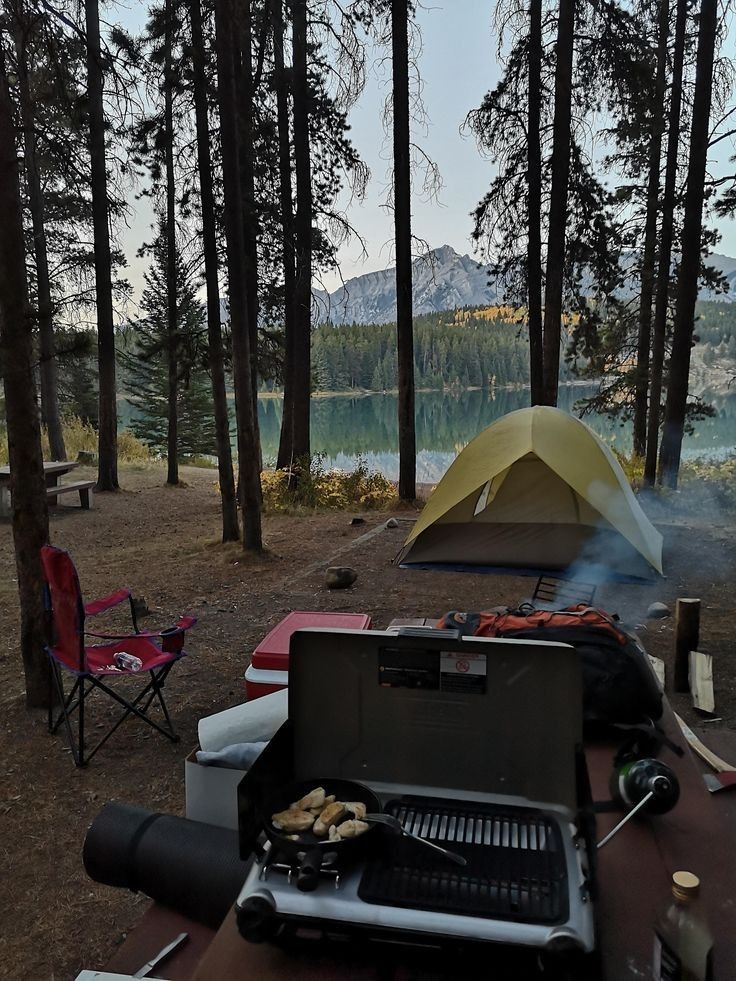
[536,492]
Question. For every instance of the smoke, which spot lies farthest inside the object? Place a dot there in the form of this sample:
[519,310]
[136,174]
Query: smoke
[697,523]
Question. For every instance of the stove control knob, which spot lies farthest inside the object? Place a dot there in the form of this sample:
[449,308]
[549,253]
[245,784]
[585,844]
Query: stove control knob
[256,917]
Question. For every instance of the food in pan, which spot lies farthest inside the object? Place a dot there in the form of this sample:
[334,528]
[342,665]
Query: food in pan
[331,815]
[315,798]
[318,810]
[350,829]
[292,820]
[357,808]
[326,817]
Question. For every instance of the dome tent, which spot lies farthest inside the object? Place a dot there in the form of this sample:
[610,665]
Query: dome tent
[537,492]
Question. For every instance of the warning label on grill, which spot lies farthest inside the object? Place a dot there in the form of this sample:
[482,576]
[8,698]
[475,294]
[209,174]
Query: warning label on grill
[463,672]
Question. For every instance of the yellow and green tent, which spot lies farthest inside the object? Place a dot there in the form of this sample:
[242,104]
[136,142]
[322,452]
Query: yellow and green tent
[537,492]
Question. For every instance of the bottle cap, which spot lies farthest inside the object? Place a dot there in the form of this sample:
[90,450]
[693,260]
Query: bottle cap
[685,885]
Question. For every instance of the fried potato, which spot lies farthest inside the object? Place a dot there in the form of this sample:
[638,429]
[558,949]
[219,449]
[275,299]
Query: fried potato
[293,820]
[330,815]
[357,808]
[351,829]
[315,798]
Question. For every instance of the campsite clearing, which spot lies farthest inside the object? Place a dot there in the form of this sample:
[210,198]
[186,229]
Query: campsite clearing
[55,919]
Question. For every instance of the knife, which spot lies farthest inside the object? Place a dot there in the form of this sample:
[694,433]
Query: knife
[161,956]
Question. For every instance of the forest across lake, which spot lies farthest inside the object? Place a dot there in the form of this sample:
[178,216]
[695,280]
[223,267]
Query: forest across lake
[346,428]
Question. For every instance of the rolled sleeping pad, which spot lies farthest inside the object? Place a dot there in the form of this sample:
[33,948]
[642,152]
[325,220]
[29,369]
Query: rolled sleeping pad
[190,867]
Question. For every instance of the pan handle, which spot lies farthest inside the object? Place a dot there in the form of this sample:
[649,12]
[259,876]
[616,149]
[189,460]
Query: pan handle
[307,877]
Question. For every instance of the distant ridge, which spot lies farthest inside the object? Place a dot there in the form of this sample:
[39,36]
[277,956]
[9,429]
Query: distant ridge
[443,280]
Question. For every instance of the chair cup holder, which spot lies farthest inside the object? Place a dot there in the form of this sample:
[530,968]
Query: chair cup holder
[172,640]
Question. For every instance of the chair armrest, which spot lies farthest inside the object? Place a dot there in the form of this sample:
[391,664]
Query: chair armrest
[141,633]
[180,627]
[106,602]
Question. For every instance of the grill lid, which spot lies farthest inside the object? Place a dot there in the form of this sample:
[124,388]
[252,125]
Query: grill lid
[484,715]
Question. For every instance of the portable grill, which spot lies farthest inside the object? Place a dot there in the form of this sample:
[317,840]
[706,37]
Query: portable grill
[474,744]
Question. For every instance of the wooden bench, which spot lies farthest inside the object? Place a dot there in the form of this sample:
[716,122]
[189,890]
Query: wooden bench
[81,487]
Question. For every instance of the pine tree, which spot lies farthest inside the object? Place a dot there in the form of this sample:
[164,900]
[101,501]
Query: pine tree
[687,281]
[30,507]
[400,13]
[147,363]
[107,475]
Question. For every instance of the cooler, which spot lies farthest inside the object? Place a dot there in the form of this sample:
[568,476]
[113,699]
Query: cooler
[268,670]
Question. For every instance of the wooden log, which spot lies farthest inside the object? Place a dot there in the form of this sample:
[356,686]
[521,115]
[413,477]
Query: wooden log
[701,681]
[658,668]
[687,638]
[699,747]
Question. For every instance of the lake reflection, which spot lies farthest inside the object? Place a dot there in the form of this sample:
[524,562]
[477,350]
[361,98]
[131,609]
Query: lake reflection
[345,427]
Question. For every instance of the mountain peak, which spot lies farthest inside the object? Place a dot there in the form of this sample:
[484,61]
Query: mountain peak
[445,253]
[442,280]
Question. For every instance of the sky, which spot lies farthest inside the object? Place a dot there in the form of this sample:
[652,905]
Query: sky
[458,66]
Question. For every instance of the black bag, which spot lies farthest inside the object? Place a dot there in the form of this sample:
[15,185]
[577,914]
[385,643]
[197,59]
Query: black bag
[619,685]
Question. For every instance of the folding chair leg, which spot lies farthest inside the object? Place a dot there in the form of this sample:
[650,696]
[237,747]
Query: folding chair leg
[67,707]
[138,707]
[80,761]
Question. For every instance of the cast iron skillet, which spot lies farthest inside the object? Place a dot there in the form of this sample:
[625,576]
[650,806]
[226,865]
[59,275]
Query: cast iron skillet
[309,851]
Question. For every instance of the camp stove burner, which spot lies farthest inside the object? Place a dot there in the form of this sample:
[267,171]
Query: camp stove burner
[269,863]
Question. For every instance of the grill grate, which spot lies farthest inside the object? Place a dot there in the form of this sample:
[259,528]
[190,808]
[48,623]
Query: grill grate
[516,863]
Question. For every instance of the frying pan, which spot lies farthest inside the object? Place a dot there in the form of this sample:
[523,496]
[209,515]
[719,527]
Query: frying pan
[308,853]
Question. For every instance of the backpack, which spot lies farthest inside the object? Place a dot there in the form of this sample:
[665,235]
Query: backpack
[619,686]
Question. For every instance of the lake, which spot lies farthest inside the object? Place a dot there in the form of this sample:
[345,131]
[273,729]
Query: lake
[346,427]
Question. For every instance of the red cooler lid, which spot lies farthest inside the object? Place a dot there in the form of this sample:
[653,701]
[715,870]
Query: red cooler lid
[273,651]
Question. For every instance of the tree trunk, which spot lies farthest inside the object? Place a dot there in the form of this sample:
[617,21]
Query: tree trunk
[107,473]
[669,197]
[646,292]
[687,281]
[247,170]
[47,366]
[172,334]
[30,509]
[230,528]
[301,388]
[558,200]
[248,455]
[534,199]
[285,456]
[402,228]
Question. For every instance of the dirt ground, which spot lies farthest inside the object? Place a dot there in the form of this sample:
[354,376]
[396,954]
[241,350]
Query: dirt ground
[162,543]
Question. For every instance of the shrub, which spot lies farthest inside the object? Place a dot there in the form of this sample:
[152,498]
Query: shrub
[713,480]
[313,487]
[82,436]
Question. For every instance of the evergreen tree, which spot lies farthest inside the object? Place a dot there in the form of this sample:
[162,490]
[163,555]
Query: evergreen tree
[147,363]
[30,506]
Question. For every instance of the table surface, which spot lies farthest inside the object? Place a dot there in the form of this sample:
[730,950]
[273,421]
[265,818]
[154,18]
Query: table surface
[634,874]
[52,467]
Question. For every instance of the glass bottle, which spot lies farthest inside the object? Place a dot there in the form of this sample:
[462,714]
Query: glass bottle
[683,944]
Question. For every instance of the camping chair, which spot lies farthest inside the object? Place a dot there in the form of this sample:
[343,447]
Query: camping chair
[94,666]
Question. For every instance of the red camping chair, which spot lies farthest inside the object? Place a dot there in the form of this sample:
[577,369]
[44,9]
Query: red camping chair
[94,666]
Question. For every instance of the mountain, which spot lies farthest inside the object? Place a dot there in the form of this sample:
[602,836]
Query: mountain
[443,280]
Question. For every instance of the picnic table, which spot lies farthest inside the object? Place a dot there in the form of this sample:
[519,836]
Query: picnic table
[634,875]
[52,471]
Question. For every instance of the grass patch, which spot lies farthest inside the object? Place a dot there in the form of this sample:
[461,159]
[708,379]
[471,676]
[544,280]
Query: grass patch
[714,480]
[80,436]
[313,488]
